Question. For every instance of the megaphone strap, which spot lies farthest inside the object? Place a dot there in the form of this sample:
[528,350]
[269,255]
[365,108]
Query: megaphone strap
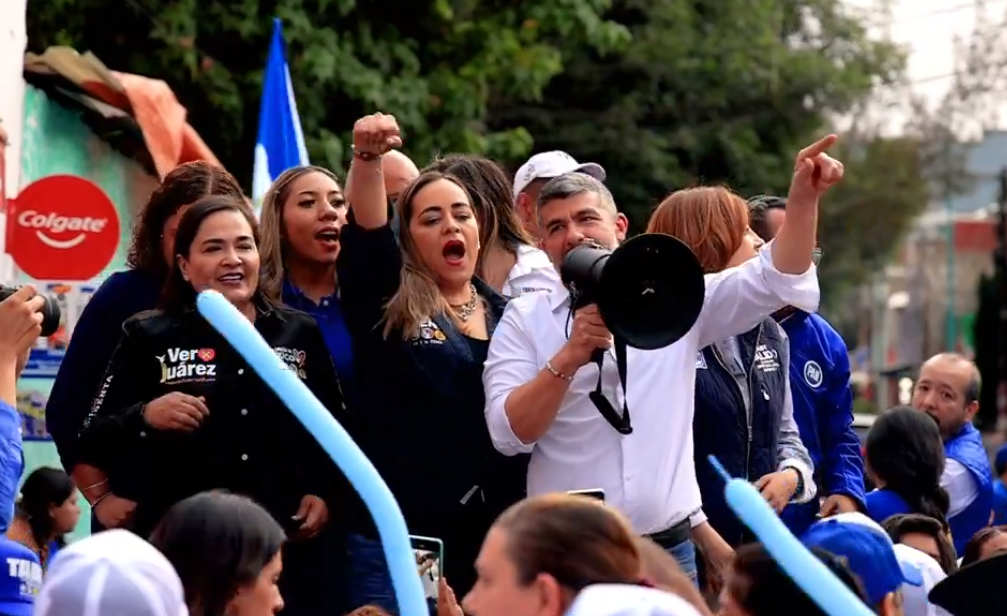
[622,423]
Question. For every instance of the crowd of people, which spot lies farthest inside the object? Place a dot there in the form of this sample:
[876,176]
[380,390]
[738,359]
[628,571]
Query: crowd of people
[425,310]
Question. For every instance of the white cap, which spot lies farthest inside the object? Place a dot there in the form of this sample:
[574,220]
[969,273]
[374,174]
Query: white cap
[113,572]
[914,598]
[547,165]
[628,600]
[855,517]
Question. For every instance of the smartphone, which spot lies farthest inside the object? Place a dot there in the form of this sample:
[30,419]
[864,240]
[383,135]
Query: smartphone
[429,552]
[596,493]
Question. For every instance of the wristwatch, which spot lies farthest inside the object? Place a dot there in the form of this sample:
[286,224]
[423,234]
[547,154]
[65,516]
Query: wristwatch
[800,481]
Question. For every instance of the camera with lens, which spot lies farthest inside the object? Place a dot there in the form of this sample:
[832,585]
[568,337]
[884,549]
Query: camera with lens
[50,310]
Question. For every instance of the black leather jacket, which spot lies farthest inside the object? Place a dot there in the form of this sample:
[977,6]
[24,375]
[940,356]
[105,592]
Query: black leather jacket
[250,443]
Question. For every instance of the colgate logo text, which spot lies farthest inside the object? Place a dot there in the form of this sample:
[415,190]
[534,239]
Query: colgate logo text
[62,227]
[55,223]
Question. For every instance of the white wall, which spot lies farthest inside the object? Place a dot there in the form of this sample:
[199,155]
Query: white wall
[13,42]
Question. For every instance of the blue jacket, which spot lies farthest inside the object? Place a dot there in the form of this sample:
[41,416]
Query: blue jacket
[823,407]
[95,337]
[11,462]
[999,503]
[746,443]
[967,448]
[883,504]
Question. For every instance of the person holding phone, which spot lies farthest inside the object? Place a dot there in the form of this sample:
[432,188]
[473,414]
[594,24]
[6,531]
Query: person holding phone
[180,412]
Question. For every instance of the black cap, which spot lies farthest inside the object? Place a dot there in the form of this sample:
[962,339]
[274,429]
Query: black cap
[972,591]
[769,202]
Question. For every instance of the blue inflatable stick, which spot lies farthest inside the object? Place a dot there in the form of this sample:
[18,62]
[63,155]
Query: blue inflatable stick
[240,333]
[810,574]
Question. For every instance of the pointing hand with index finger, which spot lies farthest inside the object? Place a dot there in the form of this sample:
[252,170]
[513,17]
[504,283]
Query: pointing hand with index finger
[815,172]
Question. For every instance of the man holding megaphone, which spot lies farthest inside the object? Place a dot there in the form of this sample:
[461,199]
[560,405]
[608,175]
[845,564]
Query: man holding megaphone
[625,332]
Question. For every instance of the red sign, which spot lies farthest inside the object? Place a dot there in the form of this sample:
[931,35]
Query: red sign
[63,228]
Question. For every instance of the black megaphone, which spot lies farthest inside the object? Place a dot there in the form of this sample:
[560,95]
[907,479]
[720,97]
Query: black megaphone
[649,290]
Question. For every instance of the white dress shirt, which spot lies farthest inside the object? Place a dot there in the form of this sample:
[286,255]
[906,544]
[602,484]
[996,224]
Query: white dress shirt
[533,271]
[961,486]
[649,475]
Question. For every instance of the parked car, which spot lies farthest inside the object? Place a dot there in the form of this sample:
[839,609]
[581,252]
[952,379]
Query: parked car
[862,423]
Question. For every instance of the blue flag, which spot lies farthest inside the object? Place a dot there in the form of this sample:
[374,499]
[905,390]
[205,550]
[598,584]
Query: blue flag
[280,145]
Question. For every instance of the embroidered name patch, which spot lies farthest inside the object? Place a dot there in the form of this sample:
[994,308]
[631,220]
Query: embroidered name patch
[188,366]
[293,359]
[766,359]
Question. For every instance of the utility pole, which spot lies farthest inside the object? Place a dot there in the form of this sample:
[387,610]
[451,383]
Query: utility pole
[951,322]
[1000,277]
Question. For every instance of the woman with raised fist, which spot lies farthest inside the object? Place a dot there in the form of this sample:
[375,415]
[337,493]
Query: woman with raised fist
[420,321]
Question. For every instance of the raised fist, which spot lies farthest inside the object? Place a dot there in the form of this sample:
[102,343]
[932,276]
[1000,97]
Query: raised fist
[376,134]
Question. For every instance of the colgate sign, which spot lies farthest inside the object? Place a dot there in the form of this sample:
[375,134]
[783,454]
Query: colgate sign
[63,228]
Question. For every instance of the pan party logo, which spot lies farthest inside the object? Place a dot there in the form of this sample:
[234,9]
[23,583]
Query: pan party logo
[293,359]
[188,366]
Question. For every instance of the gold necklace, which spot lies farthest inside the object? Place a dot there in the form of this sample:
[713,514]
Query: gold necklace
[465,311]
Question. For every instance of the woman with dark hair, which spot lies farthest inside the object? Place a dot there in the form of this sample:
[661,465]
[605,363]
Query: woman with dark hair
[124,294]
[227,552]
[985,544]
[758,586]
[905,459]
[508,261]
[420,320]
[45,513]
[180,411]
[926,534]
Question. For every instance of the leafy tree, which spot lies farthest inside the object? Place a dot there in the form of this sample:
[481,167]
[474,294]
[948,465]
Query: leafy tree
[663,93]
[435,64]
[865,216]
[707,91]
[727,92]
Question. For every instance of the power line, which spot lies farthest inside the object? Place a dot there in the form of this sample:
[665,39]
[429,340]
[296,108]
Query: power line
[950,10]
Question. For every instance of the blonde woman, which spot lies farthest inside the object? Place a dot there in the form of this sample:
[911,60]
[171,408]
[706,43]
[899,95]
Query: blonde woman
[420,322]
[303,214]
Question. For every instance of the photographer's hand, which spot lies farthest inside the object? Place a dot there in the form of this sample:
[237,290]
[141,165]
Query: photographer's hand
[20,326]
[587,334]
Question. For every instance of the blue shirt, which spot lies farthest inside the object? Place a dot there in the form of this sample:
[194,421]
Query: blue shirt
[11,462]
[999,503]
[883,504]
[329,315]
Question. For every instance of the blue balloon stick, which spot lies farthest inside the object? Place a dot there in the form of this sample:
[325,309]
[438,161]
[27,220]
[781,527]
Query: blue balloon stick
[334,439]
[803,567]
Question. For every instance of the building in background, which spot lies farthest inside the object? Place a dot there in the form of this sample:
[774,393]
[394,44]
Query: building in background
[74,127]
[905,307]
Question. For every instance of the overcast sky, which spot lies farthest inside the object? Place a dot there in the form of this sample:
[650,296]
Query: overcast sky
[927,28]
